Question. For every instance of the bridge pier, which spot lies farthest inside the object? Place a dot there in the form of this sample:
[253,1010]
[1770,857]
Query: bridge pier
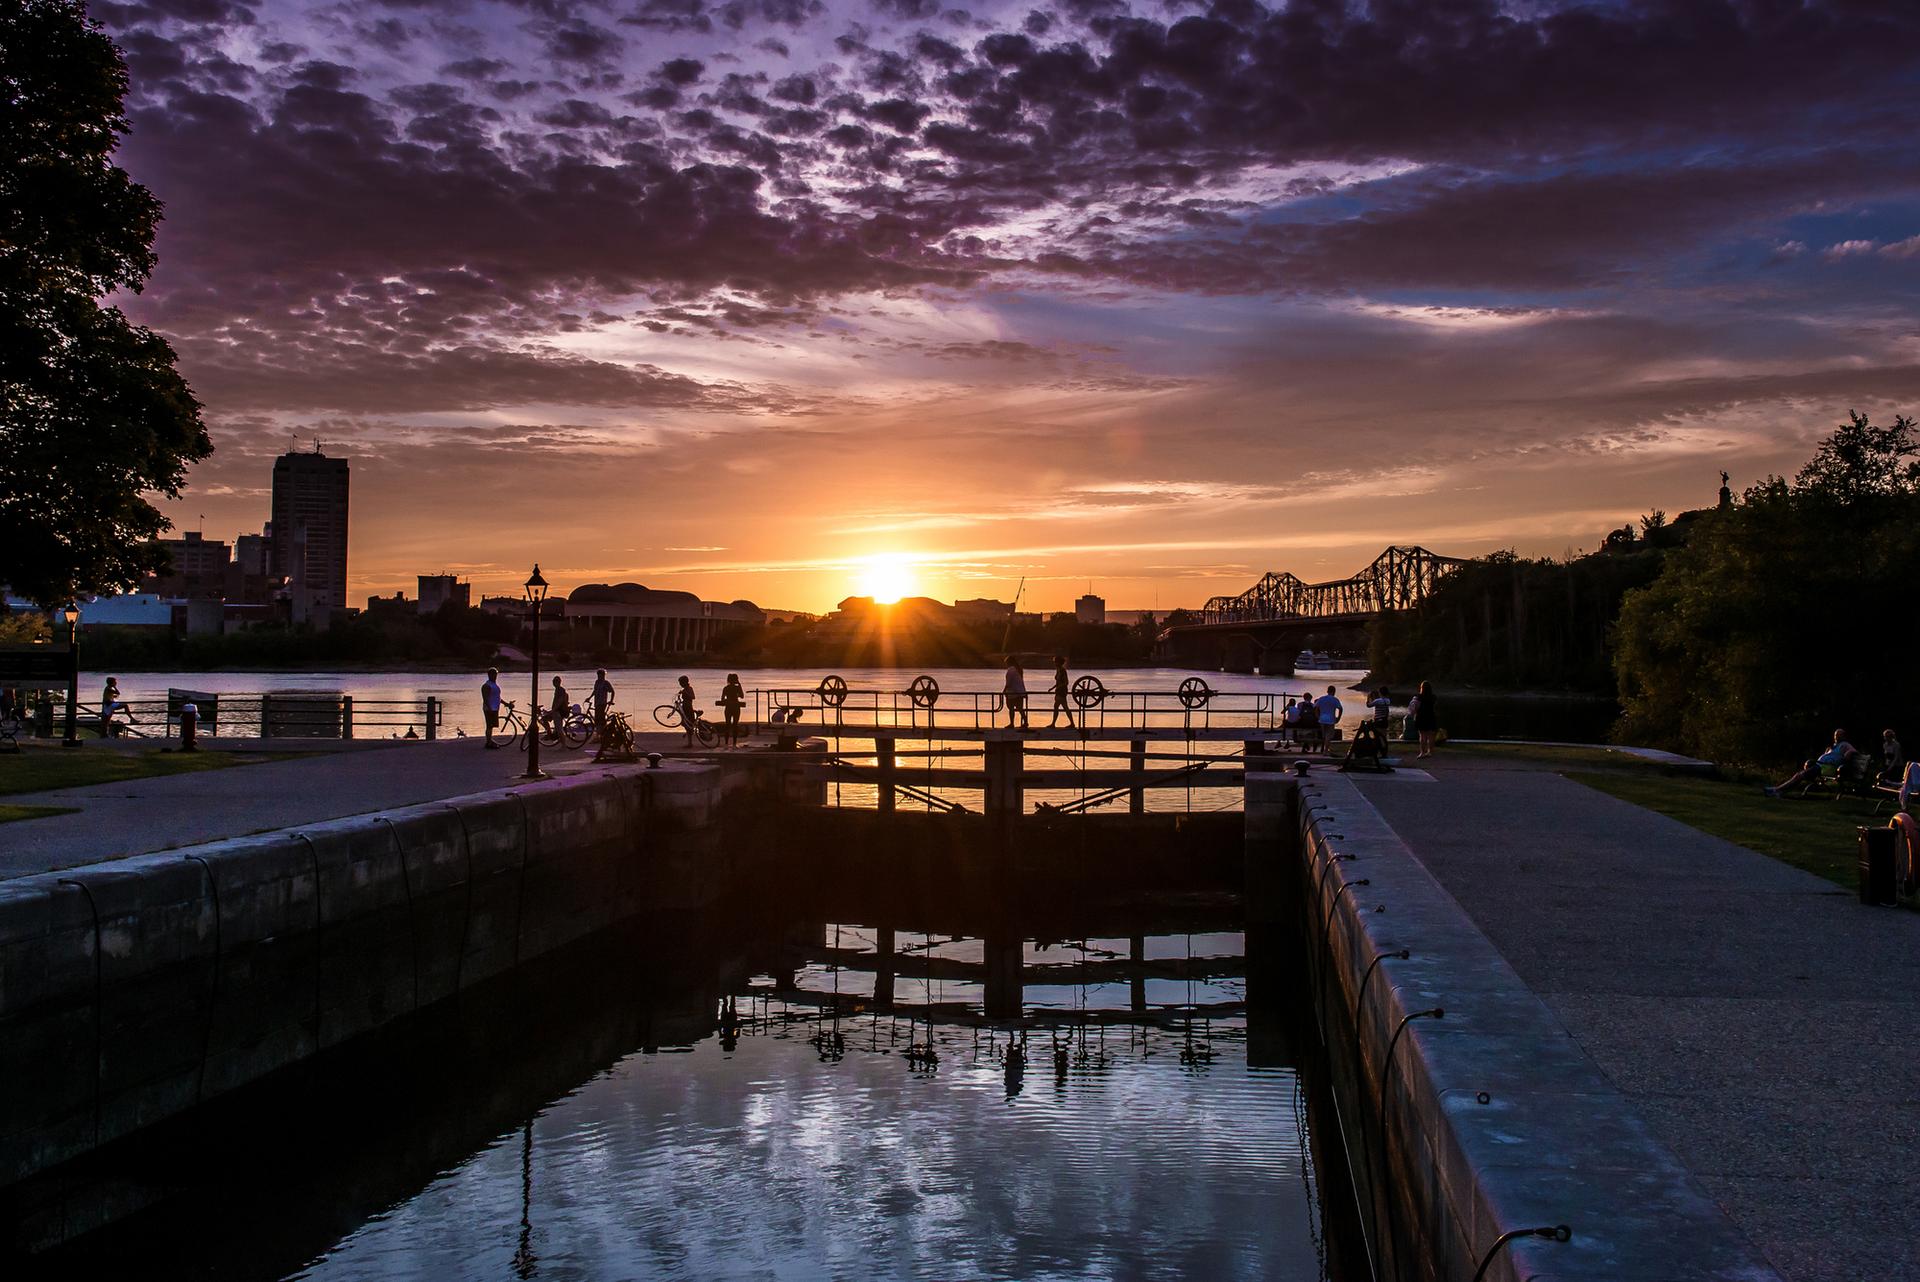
[1004,798]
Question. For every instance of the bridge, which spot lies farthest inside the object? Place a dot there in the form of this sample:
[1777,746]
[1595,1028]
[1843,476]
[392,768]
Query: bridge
[1261,629]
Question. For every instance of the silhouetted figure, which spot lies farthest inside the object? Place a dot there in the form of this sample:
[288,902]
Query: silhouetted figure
[111,702]
[1016,694]
[1330,708]
[1726,495]
[557,710]
[490,703]
[602,696]
[732,699]
[1426,718]
[1060,684]
[688,707]
[1836,756]
[1382,705]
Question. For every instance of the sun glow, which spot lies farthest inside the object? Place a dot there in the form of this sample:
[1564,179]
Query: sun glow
[886,577]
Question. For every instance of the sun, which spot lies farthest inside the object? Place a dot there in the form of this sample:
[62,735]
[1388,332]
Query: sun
[886,577]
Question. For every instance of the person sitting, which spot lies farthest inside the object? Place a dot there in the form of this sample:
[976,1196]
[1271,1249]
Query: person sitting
[1290,717]
[1836,757]
[1893,758]
[1308,727]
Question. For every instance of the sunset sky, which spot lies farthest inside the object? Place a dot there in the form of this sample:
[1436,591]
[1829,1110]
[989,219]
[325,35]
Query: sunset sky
[1160,296]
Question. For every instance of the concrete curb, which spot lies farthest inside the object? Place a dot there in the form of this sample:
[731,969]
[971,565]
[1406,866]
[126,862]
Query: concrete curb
[1492,1117]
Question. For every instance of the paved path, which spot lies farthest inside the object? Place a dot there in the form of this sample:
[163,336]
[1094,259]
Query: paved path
[141,815]
[1766,1024]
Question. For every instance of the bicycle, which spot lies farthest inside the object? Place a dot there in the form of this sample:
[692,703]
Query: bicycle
[669,715]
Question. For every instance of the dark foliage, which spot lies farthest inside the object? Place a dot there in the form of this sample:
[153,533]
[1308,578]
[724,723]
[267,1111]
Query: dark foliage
[1787,614]
[93,415]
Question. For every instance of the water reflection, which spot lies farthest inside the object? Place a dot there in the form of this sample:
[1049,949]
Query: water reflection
[828,1100]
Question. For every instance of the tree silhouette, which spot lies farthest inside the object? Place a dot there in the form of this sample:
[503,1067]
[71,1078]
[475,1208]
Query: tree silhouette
[93,416]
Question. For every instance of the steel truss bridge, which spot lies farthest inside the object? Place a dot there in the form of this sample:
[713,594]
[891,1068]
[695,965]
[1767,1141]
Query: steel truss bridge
[1400,578]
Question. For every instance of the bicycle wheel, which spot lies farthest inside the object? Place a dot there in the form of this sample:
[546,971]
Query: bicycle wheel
[667,715]
[705,732]
[576,731]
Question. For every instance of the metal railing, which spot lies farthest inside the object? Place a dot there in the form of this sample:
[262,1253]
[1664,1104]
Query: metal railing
[286,715]
[923,707]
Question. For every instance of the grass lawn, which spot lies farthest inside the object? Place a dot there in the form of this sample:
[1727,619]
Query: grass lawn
[1816,834]
[39,769]
[1549,754]
[9,813]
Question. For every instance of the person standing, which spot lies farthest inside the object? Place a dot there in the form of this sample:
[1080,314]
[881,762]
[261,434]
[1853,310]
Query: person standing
[1382,705]
[1060,684]
[490,703]
[1330,708]
[732,699]
[602,696]
[689,708]
[1016,693]
[1426,718]
[557,710]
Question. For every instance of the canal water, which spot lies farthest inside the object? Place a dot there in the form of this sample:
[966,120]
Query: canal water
[729,1101]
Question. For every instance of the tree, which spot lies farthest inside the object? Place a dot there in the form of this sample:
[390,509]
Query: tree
[1861,462]
[93,415]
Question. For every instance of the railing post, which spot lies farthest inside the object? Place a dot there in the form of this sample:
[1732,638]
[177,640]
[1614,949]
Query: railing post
[346,716]
[433,717]
[884,758]
[266,713]
[1137,766]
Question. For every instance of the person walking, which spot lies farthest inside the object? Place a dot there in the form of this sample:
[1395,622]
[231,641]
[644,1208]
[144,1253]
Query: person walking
[689,708]
[602,696]
[1016,693]
[1060,685]
[732,699]
[557,711]
[490,703]
[1426,718]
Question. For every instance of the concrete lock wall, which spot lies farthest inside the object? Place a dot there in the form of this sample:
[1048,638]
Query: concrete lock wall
[131,990]
[1488,1117]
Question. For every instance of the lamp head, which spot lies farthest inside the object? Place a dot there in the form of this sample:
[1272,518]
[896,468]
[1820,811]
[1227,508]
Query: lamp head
[70,615]
[536,586]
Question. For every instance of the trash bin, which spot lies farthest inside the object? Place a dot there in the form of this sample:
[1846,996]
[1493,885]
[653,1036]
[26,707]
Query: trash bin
[1876,866]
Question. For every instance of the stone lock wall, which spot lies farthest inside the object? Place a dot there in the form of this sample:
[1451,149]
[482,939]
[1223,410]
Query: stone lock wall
[132,990]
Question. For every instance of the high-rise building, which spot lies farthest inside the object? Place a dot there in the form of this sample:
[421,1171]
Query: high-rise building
[309,544]
[250,552]
[1090,609]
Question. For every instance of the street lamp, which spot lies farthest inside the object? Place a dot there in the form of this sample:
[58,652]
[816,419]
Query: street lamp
[72,615]
[536,597]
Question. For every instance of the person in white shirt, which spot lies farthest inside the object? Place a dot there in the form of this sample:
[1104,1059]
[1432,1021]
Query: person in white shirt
[1016,694]
[1329,707]
[1382,705]
[490,703]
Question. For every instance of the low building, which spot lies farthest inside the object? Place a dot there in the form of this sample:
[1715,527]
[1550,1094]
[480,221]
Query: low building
[198,570]
[643,620]
[437,590]
[1090,609]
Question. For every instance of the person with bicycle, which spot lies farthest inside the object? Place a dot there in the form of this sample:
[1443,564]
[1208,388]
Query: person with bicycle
[602,696]
[688,707]
[490,703]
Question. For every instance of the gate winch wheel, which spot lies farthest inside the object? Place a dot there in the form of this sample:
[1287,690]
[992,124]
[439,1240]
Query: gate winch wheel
[1195,692]
[832,691]
[924,691]
[1088,691]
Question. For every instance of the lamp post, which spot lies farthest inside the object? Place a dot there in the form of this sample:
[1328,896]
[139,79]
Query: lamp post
[72,615]
[536,597]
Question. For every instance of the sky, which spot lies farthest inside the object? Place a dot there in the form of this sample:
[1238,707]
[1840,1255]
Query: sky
[1155,296]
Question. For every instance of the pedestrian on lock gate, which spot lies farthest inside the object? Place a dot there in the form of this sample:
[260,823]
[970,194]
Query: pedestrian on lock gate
[490,703]
[1016,693]
[1060,684]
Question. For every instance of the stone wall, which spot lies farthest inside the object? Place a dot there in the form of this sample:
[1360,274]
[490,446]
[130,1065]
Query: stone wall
[1465,1108]
[132,990]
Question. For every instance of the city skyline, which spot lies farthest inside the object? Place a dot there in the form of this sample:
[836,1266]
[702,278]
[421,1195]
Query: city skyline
[746,299]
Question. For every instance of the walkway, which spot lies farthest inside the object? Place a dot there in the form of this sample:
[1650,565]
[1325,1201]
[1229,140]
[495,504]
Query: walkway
[141,815]
[1765,1023]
